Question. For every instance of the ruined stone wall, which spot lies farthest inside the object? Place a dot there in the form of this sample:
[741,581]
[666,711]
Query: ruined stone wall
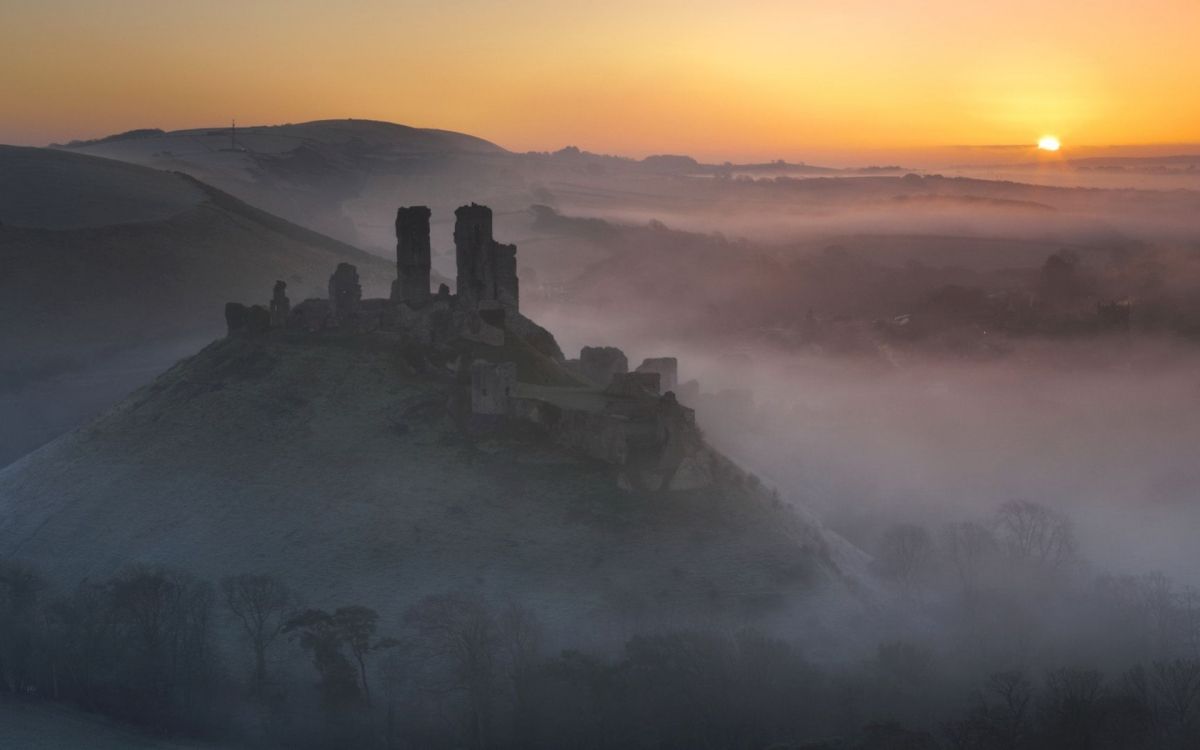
[595,434]
[311,315]
[345,293]
[492,386]
[636,385]
[667,369]
[413,256]
[598,364]
[281,306]
[653,441]
[507,286]
[469,325]
[242,319]
[677,458]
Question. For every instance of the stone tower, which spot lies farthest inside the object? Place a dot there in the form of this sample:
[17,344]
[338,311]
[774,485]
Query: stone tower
[412,255]
[487,270]
[472,250]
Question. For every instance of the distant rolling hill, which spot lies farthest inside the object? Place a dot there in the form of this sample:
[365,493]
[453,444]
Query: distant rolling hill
[304,172]
[332,463]
[275,139]
[111,271]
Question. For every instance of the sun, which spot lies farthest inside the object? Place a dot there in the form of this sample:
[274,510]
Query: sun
[1048,143]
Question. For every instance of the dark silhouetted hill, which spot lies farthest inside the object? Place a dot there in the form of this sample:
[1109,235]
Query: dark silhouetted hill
[112,271]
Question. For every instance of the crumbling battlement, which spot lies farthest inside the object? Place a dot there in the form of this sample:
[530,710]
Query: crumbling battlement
[667,369]
[487,270]
[652,440]
[635,384]
[242,319]
[486,305]
[599,364]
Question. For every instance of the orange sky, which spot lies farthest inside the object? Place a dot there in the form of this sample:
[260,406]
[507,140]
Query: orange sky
[739,80]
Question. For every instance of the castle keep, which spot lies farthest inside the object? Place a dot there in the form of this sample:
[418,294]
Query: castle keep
[413,261]
[487,270]
[630,420]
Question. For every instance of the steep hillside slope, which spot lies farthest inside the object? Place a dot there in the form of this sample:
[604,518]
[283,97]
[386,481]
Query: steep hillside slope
[46,189]
[111,270]
[332,463]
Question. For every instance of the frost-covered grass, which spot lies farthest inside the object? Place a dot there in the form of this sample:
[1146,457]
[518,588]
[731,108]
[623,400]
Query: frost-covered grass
[50,189]
[39,725]
[335,467]
[116,263]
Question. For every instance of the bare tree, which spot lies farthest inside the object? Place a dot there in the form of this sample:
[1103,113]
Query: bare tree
[1071,709]
[20,587]
[520,636]
[1187,618]
[263,605]
[164,615]
[968,548]
[1034,534]
[81,628]
[1005,709]
[457,638]
[1174,689]
[906,554]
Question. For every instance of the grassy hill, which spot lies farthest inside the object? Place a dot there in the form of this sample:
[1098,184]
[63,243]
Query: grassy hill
[308,172]
[269,139]
[347,468]
[112,271]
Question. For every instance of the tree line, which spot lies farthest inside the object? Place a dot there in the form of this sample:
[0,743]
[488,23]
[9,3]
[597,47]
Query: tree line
[245,661]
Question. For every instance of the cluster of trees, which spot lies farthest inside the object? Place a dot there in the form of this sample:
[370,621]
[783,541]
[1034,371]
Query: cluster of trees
[137,646]
[1024,560]
[1077,709]
[156,647]
[151,646]
[1022,539]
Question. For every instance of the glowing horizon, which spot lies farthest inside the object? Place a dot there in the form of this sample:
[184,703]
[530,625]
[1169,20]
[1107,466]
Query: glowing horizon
[773,79]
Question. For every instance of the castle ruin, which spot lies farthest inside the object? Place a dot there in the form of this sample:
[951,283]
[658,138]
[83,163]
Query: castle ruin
[630,420]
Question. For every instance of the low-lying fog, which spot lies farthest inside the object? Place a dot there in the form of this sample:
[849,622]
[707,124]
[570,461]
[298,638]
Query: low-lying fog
[988,388]
[1102,427]
[1104,431]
